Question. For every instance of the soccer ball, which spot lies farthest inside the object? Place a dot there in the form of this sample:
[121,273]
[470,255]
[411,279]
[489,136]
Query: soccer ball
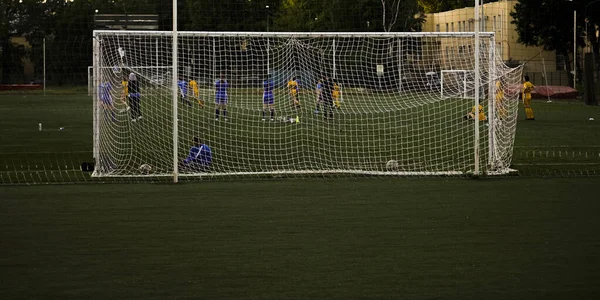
[392,165]
[145,169]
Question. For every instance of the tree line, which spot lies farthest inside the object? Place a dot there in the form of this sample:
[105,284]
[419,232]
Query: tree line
[67,26]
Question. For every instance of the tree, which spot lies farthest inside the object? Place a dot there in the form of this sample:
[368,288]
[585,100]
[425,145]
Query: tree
[591,17]
[545,25]
[434,6]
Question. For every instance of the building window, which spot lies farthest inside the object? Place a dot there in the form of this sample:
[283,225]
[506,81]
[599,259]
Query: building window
[452,26]
[465,25]
[437,27]
[460,26]
[447,27]
[494,24]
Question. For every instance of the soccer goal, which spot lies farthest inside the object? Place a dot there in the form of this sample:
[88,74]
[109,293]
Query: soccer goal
[457,84]
[392,121]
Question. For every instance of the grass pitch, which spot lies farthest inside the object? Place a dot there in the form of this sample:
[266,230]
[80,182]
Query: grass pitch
[413,238]
[296,239]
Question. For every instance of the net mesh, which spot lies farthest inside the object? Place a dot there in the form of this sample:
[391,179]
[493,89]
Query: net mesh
[395,104]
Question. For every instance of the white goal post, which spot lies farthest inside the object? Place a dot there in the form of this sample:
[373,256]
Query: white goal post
[457,84]
[392,121]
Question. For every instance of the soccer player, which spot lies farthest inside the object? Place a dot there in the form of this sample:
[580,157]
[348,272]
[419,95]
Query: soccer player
[124,84]
[336,94]
[471,114]
[105,97]
[199,159]
[327,92]
[268,98]
[196,93]
[183,91]
[133,87]
[319,92]
[221,86]
[501,110]
[293,88]
[527,88]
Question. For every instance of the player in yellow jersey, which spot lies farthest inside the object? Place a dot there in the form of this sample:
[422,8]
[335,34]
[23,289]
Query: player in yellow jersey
[124,84]
[527,88]
[500,109]
[293,88]
[196,92]
[336,94]
[471,114]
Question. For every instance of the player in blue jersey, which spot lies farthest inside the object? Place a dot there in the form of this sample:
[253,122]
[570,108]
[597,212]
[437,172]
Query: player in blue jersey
[199,159]
[327,92]
[104,91]
[183,91]
[268,98]
[133,87]
[221,97]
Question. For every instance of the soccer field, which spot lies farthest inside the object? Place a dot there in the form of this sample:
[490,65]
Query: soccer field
[386,238]
[562,140]
[531,236]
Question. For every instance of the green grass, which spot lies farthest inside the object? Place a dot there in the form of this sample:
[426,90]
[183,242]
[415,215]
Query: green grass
[384,238]
[342,239]
[562,140]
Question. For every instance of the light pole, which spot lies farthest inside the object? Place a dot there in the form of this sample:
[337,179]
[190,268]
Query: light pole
[574,49]
[574,45]
[267,7]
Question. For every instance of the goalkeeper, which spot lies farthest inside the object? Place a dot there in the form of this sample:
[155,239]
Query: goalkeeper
[199,159]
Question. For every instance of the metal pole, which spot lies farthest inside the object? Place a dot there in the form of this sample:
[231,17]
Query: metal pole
[174,96]
[333,47]
[268,42]
[399,66]
[44,55]
[476,102]
[575,49]
[157,64]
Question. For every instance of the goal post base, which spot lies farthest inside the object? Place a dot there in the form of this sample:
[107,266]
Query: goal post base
[304,173]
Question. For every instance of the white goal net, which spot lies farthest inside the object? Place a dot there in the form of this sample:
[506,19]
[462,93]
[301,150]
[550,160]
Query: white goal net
[300,103]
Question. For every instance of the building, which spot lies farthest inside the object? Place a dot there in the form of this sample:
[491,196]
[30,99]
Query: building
[495,17]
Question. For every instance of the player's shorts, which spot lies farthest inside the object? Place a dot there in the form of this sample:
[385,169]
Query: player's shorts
[135,96]
[221,100]
[268,99]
